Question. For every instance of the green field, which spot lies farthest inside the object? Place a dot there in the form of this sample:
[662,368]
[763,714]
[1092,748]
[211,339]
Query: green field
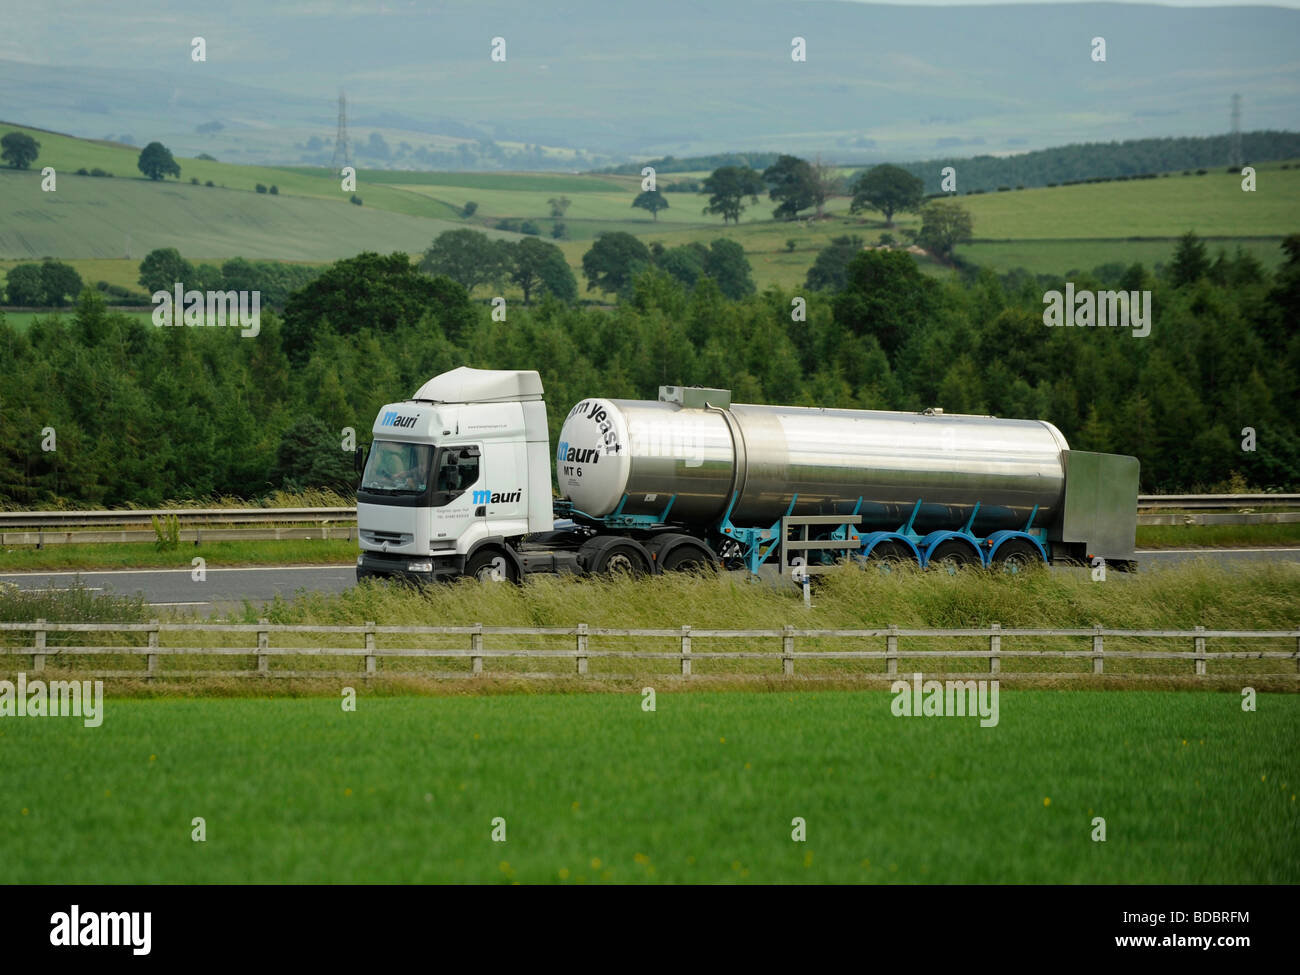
[94,222]
[107,218]
[704,789]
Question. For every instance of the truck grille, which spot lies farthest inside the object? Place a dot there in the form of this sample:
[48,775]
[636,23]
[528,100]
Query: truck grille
[392,538]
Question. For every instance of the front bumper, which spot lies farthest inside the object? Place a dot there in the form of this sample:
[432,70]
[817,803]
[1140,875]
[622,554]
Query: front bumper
[410,568]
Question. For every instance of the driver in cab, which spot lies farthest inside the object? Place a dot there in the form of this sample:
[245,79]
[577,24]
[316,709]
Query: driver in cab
[407,476]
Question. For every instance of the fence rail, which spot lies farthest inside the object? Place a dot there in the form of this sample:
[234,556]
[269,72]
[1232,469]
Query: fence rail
[365,644]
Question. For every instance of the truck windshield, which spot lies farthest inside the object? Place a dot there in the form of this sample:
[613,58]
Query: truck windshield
[397,468]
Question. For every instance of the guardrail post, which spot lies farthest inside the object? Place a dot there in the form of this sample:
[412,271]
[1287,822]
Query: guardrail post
[686,651]
[476,647]
[370,647]
[995,648]
[891,650]
[1199,643]
[263,644]
[1297,654]
[1098,650]
[151,659]
[38,658]
[787,651]
[582,648]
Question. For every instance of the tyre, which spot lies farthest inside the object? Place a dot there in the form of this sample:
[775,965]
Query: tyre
[889,557]
[952,556]
[615,556]
[1017,555]
[689,558]
[491,565]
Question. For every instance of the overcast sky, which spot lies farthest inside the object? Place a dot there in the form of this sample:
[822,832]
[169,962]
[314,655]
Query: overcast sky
[1173,3]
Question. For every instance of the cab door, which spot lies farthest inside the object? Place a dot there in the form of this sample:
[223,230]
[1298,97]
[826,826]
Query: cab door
[457,500]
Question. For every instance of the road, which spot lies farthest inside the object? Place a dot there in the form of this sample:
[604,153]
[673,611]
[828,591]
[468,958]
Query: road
[225,589]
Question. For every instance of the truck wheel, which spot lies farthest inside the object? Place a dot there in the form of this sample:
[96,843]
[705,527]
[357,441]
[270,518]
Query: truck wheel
[689,558]
[615,556]
[1015,556]
[889,557]
[952,556]
[491,565]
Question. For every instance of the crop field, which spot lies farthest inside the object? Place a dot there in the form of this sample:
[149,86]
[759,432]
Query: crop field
[1059,257]
[1049,230]
[106,218]
[705,788]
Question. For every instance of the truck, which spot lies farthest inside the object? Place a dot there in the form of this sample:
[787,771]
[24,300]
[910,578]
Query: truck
[457,481]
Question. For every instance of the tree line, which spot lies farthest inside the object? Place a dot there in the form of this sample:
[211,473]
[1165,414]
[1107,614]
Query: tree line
[142,414]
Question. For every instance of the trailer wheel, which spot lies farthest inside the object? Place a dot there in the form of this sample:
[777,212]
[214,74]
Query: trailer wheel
[952,556]
[491,565]
[1015,556]
[689,558]
[888,557]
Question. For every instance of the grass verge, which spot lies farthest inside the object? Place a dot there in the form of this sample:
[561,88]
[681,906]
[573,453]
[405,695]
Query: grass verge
[1217,536]
[1254,596]
[143,555]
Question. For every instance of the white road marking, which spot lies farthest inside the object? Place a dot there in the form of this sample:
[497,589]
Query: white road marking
[1213,551]
[342,566]
[57,589]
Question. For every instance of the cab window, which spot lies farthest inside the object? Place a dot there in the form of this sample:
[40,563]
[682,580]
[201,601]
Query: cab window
[458,469]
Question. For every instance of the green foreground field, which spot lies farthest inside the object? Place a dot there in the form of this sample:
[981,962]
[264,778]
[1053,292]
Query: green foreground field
[592,788]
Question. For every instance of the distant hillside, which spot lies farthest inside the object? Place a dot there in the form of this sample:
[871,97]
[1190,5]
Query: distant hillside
[694,164]
[1105,160]
[622,81]
[1060,164]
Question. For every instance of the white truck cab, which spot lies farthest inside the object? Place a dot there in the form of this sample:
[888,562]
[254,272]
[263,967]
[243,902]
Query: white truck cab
[453,475]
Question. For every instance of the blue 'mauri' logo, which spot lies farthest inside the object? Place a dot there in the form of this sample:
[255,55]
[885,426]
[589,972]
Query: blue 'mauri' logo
[393,419]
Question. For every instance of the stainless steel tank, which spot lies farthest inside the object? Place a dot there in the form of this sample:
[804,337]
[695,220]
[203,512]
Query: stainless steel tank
[651,451]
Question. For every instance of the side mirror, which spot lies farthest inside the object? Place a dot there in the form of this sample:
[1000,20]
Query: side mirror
[359,459]
[468,452]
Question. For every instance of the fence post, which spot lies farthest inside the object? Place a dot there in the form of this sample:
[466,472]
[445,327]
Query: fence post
[476,648]
[891,650]
[686,651]
[38,658]
[582,648]
[151,660]
[370,647]
[1098,650]
[787,651]
[1297,654]
[1200,653]
[263,642]
[995,648]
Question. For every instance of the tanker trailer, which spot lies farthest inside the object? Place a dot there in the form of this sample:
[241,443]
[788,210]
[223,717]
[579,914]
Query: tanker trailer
[693,481]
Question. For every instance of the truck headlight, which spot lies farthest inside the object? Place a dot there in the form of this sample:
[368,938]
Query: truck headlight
[419,566]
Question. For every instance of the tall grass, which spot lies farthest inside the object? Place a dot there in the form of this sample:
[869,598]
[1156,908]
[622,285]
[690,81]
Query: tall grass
[1195,593]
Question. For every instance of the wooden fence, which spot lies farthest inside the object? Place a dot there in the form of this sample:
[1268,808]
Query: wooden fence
[588,642]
